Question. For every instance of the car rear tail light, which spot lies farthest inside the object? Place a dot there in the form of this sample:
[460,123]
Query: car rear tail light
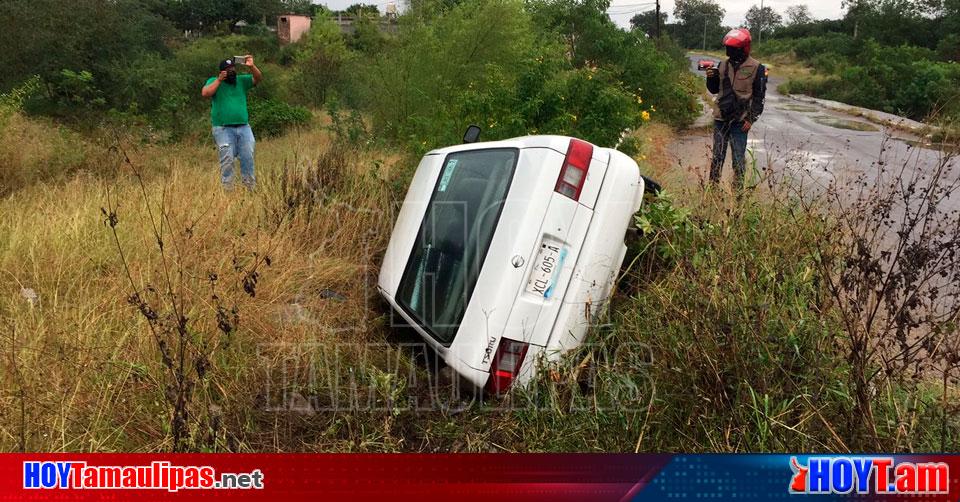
[574,171]
[506,366]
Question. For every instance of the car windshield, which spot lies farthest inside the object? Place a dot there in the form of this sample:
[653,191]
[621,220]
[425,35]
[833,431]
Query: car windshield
[453,239]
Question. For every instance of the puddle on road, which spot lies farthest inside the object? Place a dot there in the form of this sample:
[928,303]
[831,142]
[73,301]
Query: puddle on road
[943,147]
[798,108]
[852,125]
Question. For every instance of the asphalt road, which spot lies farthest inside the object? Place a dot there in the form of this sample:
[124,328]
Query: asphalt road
[807,139]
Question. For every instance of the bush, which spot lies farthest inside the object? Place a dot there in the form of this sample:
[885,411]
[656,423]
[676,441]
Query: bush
[42,37]
[499,65]
[839,43]
[906,80]
[949,48]
[725,300]
[320,60]
[470,60]
[270,117]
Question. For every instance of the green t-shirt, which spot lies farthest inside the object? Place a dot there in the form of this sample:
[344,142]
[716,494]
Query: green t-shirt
[229,104]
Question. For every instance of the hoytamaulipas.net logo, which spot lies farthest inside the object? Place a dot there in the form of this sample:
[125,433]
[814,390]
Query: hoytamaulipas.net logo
[160,475]
[868,475]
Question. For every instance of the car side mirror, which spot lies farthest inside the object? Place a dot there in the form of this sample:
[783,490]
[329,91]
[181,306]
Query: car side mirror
[472,134]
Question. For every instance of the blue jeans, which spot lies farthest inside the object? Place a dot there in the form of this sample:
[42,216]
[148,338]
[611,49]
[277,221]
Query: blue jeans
[723,133]
[235,142]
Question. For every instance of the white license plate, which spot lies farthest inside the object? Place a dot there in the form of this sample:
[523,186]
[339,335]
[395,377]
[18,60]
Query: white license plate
[546,269]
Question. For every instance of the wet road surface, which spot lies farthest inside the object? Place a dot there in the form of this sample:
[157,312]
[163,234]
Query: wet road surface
[811,141]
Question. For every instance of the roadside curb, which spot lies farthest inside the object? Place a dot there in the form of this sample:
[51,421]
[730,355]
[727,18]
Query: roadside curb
[876,117]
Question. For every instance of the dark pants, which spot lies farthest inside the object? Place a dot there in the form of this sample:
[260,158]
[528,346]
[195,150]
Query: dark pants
[729,133]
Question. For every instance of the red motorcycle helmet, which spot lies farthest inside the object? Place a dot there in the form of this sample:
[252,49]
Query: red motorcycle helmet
[739,38]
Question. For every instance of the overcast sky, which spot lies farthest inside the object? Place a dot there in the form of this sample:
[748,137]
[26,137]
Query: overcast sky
[735,9]
[622,10]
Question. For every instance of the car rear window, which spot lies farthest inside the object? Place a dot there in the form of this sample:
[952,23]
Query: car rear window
[454,237]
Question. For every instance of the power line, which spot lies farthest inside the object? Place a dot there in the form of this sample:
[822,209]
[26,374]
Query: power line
[633,8]
[631,5]
[631,11]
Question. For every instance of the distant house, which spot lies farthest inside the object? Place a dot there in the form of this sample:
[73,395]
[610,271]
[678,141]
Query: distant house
[290,27]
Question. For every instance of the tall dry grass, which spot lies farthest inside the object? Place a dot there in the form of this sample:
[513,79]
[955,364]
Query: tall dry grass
[173,315]
[257,278]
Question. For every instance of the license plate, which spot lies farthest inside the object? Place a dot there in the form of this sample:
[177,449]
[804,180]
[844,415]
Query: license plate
[546,269]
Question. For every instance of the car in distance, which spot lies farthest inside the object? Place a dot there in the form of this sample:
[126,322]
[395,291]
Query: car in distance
[504,252]
[704,64]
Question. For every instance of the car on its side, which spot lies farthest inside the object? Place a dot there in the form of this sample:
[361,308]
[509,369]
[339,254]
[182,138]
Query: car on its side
[504,252]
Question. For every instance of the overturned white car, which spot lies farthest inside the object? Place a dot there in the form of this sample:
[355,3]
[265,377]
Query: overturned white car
[504,252]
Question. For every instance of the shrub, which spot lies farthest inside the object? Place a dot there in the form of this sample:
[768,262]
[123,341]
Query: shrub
[905,79]
[470,58]
[725,301]
[948,49]
[492,64]
[270,117]
[320,61]
[810,47]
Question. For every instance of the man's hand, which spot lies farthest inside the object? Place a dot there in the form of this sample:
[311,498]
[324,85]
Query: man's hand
[210,89]
[746,126]
[713,72]
[257,75]
[248,60]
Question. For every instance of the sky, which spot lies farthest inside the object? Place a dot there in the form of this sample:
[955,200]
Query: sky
[736,10]
[622,10]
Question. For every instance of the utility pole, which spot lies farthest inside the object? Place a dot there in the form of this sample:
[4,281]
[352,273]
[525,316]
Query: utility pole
[761,21]
[658,20]
[704,32]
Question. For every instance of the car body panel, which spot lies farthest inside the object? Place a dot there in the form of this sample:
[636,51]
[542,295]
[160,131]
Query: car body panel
[591,231]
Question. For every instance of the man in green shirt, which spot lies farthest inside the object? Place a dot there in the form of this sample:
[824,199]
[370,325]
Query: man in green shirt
[231,122]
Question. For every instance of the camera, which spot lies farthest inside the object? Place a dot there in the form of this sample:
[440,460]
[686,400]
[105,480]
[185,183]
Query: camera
[238,60]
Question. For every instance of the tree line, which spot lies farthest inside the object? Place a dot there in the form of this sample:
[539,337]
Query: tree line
[934,24]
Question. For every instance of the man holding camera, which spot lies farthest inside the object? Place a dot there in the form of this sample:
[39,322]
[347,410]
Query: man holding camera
[740,84]
[230,119]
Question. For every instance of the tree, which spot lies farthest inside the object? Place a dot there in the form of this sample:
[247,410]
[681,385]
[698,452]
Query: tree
[897,22]
[586,28]
[690,12]
[762,19]
[798,15]
[647,22]
[360,9]
[41,37]
[856,11]
[200,15]
[699,22]
[302,7]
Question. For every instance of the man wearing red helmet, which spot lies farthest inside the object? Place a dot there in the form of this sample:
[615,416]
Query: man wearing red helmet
[740,84]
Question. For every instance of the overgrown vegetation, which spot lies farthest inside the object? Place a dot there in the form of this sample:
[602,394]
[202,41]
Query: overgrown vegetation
[905,80]
[897,56]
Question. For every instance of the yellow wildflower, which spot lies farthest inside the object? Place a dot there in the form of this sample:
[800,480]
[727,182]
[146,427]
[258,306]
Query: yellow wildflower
[645,115]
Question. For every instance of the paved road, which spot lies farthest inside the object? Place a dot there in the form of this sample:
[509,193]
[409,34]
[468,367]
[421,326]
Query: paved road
[800,137]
